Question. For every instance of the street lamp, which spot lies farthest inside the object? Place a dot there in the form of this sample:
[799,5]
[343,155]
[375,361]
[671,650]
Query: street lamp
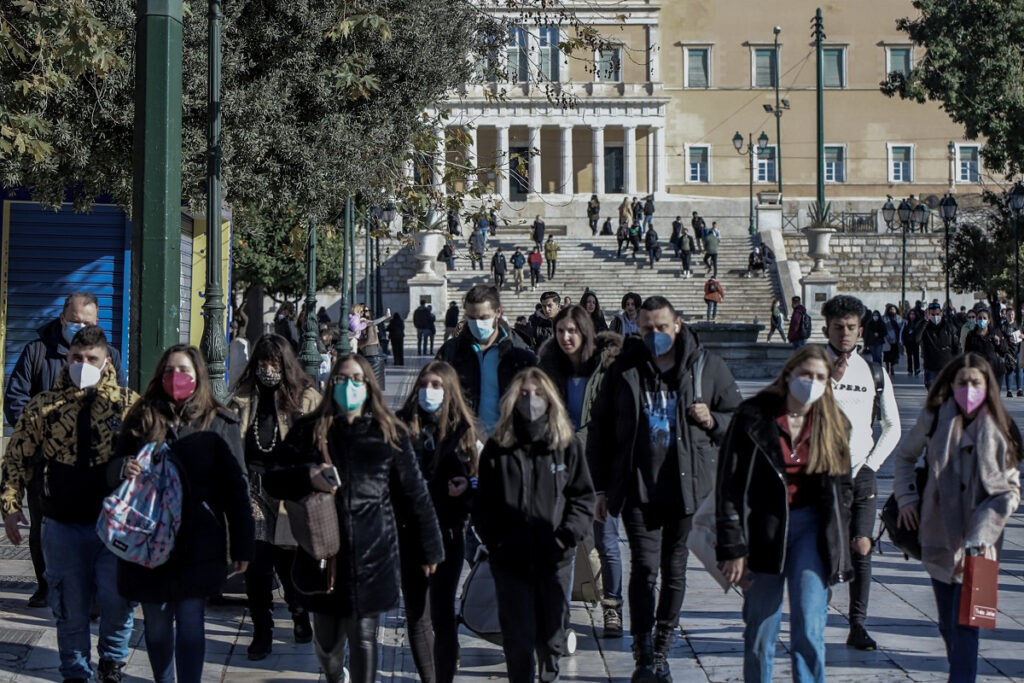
[309,355]
[947,209]
[904,211]
[888,212]
[1016,200]
[920,217]
[762,143]
[342,346]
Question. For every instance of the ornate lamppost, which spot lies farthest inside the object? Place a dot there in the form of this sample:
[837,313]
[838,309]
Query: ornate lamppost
[762,143]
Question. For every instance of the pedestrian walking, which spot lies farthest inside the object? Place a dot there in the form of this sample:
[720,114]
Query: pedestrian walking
[874,336]
[908,337]
[454,228]
[649,211]
[422,322]
[799,324]
[518,263]
[178,410]
[353,434]
[499,267]
[634,235]
[685,247]
[396,332]
[783,483]
[284,325]
[537,232]
[677,234]
[477,246]
[625,213]
[535,260]
[712,240]
[542,321]
[593,213]
[988,341]
[492,216]
[451,320]
[714,294]
[891,351]
[444,438]
[273,391]
[939,343]
[699,226]
[971,448]
[652,247]
[622,236]
[532,523]
[969,323]
[592,306]
[777,320]
[625,321]
[551,248]
[1012,333]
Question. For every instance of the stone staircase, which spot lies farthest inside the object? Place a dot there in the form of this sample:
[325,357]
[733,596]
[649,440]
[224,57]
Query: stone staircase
[591,262]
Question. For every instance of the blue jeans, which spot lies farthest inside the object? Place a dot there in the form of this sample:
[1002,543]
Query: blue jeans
[1016,375]
[929,377]
[606,540]
[79,568]
[876,353]
[798,343]
[422,341]
[176,639]
[648,221]
[804,574]
[712,309]
[961,641]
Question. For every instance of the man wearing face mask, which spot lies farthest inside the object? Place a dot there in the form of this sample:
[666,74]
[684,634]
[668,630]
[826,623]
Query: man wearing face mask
[36,371]
[939,343]
[655,428]
[73,428]
[864,393]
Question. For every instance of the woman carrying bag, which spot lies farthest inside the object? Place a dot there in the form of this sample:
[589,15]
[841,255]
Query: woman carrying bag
[972,453]
[355,449]
[444,436]
[272,392]
[178,409]
[782,505]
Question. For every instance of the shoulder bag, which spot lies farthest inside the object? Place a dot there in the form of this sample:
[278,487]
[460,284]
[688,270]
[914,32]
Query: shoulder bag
[314,521]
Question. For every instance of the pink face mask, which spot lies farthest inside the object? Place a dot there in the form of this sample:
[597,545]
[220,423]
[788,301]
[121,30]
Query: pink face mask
[969,398]
[179,385]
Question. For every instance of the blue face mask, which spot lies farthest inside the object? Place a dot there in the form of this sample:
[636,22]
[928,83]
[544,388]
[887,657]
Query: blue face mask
[982,323]
[658,343]
[70,330]
[431,400]
[349,395]
[481,329]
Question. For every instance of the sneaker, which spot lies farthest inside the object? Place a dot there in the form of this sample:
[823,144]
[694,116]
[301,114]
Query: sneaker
[37,599]
[109,671]
[859,638]
[661,670]
[1020,392]
[1009,394]
[612,623]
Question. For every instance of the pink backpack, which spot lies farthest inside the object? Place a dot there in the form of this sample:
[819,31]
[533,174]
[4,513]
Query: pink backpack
[140,520]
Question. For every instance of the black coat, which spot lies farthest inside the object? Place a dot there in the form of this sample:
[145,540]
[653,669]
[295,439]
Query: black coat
[451,316]
[513,356]
[396,327]
[991,346]
[874,332]
[216,519]
[373,476]
[617,411]
[530,495]
[939,343]
[543,329]
[752,508]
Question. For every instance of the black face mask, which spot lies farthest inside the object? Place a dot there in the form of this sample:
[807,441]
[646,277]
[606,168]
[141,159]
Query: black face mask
[529,431]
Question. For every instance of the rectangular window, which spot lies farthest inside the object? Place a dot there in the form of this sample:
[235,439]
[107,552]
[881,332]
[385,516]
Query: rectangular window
[487,64]
[899,61]
[549,55]
[609,65]
[698,63]
[766,165]
[699,159]
[765,67]
[901,164]
[834,71]
[968,163]
[518,56]
[835,164]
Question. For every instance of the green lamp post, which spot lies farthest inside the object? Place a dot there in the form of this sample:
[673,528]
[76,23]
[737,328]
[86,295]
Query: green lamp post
[309,354]
[762,144]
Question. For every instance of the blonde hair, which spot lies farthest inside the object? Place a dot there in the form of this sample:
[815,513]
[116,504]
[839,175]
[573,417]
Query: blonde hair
[830,430]
[559,430]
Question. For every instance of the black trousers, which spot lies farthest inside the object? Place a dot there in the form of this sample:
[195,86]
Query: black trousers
[685,256]
[913,358]
[430,610]
[552,267]
[534,276]
[331,634]
[267,560]
[398,350]
[532,610]
[34,494]
[499,280]
[862,523]
[593,226]
[711,263]
[657,542]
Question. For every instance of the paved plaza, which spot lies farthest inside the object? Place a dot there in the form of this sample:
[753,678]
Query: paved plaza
[902,620]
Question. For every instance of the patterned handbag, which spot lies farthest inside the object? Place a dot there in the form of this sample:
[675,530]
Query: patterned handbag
[314,521]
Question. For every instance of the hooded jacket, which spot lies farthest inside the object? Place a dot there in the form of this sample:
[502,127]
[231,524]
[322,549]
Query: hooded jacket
[38,367]
[513,356]
[74,462]
[612,440]
[751,498]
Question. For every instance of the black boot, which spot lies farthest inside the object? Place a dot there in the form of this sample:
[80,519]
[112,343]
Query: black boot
[262,634]
[663,634]
[109,671]
[301,628]
[643,655]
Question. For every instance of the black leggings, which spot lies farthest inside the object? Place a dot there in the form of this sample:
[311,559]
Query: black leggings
[430,610]
[259,581]
[331,633]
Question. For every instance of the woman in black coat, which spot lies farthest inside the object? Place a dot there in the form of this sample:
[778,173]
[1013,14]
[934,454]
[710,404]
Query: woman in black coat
[178,409]
[874,336]
[376,471]
[444,436]
[396,333]
[988,341]
[590,303]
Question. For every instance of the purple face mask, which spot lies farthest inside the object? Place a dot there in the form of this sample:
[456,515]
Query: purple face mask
[969,398]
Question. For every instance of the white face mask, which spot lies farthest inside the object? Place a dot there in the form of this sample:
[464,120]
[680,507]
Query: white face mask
[806,391]
[84,375]
[431,400]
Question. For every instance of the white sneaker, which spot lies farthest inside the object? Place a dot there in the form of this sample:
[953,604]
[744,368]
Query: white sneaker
[570,642]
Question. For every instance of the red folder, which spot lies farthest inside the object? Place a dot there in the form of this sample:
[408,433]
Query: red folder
[978,597]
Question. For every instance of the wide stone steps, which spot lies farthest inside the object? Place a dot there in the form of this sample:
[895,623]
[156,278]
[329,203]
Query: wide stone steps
[592,262]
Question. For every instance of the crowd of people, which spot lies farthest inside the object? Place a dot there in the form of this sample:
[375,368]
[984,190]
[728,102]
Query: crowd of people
[516,443]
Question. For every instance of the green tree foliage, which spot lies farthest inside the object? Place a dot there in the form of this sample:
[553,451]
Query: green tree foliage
[981,255]
[974,68]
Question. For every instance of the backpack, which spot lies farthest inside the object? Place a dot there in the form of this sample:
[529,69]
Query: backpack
[805,326]
[140,520]
[712,287]
[878,377]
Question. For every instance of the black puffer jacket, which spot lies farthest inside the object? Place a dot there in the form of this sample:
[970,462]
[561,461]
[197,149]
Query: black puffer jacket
[751,497]
[373,475]
[216,520]
[939,344]
[543,329]
[991,346]
[513,355]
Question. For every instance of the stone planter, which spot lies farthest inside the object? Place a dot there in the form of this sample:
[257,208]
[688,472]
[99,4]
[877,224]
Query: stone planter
[428,246]
[818,246]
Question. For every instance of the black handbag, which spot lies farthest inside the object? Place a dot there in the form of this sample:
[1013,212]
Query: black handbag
[903,538]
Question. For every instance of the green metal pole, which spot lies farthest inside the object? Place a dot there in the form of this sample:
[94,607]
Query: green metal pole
[213,343]
[342,346]
[156,193]
[819,35]
[309,356]
[903,277]
[778,120]
[750,157]
[352,258]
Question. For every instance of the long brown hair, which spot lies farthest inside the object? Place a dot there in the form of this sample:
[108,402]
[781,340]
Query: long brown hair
[830,430]
[294,381]
[375,407]
[585,325]
[559,430]
[942,390]
[149,414]
[454,411]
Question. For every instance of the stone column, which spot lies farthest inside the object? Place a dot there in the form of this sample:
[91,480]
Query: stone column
[471,158]
[598,161]
[440,161]
[629,151]
[534,164]
[653,54]
[660,165]
[565,184]
[501,177]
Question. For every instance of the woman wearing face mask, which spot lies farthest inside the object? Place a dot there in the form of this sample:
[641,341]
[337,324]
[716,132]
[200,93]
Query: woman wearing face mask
[874,336]
[972,457]
[593,308]
[791,527]
[576,360]
[891,354]
[374,467]
[969,324]
[273,392]
[178,409]
[908,335]
[535,502]
[987,340]
[444,437]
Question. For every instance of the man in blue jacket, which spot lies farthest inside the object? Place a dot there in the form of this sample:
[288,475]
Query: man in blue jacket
[35,372]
